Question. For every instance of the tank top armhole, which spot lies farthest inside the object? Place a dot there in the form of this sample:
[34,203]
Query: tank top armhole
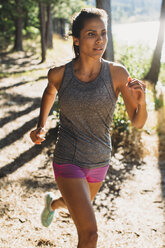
[110,78]
[63,78]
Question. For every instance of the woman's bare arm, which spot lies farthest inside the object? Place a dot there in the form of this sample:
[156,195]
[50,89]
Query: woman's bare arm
[133,93]
[55,76]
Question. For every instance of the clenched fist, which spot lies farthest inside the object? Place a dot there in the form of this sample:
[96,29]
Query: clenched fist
[37,135]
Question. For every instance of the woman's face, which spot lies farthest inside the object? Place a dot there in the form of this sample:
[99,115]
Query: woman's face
[93,38]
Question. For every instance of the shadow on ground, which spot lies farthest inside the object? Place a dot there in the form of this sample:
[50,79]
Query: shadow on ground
[120,169]
[19,63]
[19,132]
[10,59]
[161,131]
[28,155]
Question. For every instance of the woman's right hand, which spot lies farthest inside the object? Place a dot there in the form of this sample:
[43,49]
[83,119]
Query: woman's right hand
[37,135]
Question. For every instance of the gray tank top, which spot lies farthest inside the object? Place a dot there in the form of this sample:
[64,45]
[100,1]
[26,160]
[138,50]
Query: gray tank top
[86,112]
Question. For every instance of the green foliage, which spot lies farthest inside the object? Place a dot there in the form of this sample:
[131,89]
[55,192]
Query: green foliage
[6,23]
[31,32]
[120,127]
[120,118]
[132,57]
[162,74]
[55,111]
[66,9]
[150,99]
[135,58]
[8,15]
[158,102]
[158,96]
[30,13]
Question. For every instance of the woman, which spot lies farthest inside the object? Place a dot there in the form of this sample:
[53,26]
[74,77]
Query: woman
[87,88]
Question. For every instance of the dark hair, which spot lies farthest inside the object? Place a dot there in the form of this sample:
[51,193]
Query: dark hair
[79,20]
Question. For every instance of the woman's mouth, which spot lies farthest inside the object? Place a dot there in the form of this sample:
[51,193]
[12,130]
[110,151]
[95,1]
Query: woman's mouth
[98,49]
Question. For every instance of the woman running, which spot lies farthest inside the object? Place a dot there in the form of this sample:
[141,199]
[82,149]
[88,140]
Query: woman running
[88,87]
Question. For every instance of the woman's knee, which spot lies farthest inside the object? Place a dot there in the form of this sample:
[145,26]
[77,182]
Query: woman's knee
[92,236]
[88,238]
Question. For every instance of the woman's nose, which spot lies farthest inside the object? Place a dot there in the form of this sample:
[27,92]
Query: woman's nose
[99,39]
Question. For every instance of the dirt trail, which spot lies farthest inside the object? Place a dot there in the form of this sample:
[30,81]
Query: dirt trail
[129,206]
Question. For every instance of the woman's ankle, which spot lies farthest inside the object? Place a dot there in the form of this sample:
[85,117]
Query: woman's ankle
[58,203]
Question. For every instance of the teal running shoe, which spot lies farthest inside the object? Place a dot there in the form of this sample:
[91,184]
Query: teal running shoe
[48,213]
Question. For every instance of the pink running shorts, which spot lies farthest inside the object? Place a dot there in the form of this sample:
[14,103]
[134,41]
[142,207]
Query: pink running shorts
[94,175]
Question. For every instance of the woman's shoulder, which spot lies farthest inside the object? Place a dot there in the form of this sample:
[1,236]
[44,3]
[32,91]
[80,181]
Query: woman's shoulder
[119,75]
[116,67]
[55,75]
[118,71]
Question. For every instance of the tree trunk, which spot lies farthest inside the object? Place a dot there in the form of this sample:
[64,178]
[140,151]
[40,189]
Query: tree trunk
[18,27]
[155,64]
[42,30]
[62,27]
[106,5]
[26,22]
[55,25]
[49,28]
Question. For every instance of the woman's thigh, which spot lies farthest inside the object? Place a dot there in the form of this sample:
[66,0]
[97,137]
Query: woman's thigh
[77,196]
[94,188]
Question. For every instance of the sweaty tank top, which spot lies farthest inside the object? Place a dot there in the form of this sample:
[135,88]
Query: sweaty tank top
[86,112]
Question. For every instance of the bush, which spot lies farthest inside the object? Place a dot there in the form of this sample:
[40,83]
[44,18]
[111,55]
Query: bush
[132,57]
[120,118]
[162,74]
[120,124]
[136,59]
[55,111]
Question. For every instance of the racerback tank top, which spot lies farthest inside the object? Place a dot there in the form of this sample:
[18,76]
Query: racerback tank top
[86,112]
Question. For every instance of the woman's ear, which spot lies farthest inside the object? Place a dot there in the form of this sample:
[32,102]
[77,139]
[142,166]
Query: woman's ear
[75,41]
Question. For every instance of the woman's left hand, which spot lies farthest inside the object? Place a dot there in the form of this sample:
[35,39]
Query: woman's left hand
[137,90]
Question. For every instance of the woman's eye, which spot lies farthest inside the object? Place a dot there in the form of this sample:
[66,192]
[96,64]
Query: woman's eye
[91,34]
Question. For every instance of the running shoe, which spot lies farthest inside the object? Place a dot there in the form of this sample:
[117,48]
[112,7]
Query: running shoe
[48,213]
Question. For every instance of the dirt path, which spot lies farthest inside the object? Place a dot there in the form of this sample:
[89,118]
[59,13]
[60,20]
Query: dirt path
[129,206]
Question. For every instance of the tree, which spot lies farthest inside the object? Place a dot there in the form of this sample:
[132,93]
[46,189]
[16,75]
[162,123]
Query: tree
[49,27]
[18,26]
[106,5]
[63,11]
[16,18]
[155,64]
[21,12]
[42,30]
[6,23]
[46,25]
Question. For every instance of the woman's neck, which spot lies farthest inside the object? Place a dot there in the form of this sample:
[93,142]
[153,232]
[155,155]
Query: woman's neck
[87,69]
